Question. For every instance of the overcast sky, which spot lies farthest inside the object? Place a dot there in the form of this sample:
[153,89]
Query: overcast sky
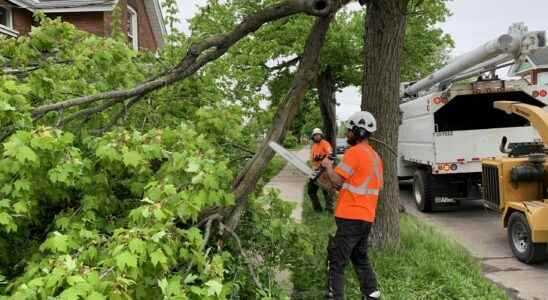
[473,23]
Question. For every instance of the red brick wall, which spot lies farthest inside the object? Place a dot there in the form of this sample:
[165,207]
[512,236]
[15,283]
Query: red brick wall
[22,20]
[146,35]
[99,23]
[91,22]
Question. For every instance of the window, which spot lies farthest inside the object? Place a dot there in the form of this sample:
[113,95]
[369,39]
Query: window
[6,22]
[5,17]
[132,28]
[542,78]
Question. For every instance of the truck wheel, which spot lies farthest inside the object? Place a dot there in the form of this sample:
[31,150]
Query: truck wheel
[520,239]
[422,190]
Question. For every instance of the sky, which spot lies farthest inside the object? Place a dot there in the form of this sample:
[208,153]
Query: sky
[473,22]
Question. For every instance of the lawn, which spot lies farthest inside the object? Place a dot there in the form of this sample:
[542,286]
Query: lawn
[427,265]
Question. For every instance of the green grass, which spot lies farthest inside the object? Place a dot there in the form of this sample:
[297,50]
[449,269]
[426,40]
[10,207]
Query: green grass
[427,265]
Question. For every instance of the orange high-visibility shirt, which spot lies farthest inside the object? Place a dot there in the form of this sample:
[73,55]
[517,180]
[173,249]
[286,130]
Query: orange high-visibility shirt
[361,169]
[323,148]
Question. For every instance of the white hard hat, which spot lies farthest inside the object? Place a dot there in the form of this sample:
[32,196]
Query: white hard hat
[317,131]
[362,119]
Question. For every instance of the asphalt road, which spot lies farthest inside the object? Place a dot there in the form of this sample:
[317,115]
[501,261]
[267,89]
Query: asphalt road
[481,232]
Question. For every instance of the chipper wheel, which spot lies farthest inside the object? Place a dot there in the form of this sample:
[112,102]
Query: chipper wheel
[520,239]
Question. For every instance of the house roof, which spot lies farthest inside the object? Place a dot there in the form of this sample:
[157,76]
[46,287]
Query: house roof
[153,10]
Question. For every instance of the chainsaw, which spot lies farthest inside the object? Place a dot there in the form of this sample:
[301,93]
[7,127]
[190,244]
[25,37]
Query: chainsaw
[318,175]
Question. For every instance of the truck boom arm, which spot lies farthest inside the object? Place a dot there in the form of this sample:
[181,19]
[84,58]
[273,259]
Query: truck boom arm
[504,48]
[534,114]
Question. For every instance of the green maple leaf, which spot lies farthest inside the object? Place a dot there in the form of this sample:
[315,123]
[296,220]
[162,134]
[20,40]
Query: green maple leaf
[107,152]
[26,154]
[163,286]
[5,203]
[96,296]
[137,246]
[57,242]
[74,280]
[214,287]
[132,159]
[72,293]
[15,148]
[194,236]
[20,207]
[158,236]
[5,106]
[5,219]
[126,259]
[158,257]
[193,167]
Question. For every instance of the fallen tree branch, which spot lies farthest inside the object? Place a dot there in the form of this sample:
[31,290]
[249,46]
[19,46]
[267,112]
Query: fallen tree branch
[118,116]
[85,113]
[308,69]
[203,52]
[208,221]
[249,265]
[31,68]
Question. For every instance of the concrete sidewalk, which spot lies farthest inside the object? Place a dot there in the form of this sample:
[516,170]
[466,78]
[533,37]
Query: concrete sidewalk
[291,183]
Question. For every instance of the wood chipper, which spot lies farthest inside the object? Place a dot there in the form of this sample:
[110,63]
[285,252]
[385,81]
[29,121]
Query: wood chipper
[517,186]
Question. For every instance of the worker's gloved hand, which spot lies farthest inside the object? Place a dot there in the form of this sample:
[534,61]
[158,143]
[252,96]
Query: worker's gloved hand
[327,163]
[317,173]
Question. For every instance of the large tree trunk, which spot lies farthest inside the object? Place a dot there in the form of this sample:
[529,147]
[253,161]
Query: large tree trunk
[384,37]
[326,96]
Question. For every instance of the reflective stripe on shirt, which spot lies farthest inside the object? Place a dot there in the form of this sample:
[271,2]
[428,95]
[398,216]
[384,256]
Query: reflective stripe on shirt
[363,189]
[346,168]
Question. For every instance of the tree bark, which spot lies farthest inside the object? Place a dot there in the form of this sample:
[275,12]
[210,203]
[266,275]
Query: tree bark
[326,96]
[384,38]
[287,110]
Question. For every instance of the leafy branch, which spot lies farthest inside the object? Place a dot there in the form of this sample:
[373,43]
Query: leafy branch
[201,53]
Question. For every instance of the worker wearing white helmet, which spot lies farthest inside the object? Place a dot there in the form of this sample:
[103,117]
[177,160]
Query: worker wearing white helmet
[320,150]
[360,177]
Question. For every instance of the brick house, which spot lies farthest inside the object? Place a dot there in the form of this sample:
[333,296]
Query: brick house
[142,19]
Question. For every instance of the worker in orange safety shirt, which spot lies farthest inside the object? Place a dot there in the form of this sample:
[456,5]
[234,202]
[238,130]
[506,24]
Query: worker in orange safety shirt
[360,178]
[320,150]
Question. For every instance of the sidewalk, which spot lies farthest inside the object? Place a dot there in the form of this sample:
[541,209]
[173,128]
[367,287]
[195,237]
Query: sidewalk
[291,184]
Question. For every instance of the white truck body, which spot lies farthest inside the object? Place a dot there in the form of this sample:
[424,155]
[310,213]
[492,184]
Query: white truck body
[421,143]
[449,125]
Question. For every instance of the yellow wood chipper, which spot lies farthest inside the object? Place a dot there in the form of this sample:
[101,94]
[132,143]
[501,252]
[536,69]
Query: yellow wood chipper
[517,186]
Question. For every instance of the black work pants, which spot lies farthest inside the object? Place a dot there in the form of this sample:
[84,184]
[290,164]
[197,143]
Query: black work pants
[313,188]
[349,243]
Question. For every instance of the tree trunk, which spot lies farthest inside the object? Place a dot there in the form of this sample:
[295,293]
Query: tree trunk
[326,96]
[384,37]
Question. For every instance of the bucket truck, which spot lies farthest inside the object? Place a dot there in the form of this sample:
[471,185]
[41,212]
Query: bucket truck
[449,124]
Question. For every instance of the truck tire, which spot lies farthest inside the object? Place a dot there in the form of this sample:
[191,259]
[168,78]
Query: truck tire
[422,190]
[520,239]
